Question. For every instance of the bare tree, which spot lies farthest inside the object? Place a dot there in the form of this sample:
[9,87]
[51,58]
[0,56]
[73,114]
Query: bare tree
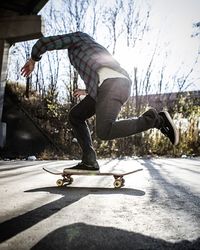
[96,13]
[77,10]
[135,24]
[111,20]
[26,47]
[197,29]
[184,81]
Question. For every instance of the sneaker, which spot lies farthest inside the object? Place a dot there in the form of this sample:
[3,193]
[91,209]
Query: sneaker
[86,167]
[168,128]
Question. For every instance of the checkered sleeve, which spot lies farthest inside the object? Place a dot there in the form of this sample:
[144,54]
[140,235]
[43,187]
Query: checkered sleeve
[50,43]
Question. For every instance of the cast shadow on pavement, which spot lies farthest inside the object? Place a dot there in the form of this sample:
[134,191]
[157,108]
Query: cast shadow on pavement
[169,192]
[70,195]
[83,236]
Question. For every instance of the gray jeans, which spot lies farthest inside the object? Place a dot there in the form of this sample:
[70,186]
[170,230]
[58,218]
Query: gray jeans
[112,94]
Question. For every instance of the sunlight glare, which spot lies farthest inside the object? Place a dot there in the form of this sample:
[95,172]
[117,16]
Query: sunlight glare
[128,57]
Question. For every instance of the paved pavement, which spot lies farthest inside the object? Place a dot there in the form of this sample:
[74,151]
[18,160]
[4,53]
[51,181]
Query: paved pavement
[159,207]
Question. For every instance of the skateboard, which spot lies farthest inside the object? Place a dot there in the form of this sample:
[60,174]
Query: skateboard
[119,180]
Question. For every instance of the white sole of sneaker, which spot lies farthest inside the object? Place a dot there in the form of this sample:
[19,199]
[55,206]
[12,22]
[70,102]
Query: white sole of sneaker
[176,133]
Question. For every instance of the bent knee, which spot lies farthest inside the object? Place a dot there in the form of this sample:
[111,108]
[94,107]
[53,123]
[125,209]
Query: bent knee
[103,133]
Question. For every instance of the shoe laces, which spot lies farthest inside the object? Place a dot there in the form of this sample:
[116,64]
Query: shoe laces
[165,130]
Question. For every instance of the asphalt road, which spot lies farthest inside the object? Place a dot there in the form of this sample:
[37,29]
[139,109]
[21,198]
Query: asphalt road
[158,208]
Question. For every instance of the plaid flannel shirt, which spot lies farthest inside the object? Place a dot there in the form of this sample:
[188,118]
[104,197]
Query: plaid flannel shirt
[84,53]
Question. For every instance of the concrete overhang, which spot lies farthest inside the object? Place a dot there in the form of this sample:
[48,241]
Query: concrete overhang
[22,7]
[20,28]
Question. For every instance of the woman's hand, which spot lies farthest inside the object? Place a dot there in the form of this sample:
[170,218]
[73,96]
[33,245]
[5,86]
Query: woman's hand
[78,92]
[28,68]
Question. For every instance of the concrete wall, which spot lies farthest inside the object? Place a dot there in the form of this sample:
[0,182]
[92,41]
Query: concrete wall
[24,137]
[4,49]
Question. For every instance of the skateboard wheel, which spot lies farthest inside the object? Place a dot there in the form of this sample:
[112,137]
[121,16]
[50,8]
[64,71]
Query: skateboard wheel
[117,183]
[59,182]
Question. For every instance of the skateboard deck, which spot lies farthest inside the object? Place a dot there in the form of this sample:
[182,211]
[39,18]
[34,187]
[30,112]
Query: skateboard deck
[119,180]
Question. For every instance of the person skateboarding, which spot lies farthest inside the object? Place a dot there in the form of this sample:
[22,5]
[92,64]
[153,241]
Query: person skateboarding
[108,87]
